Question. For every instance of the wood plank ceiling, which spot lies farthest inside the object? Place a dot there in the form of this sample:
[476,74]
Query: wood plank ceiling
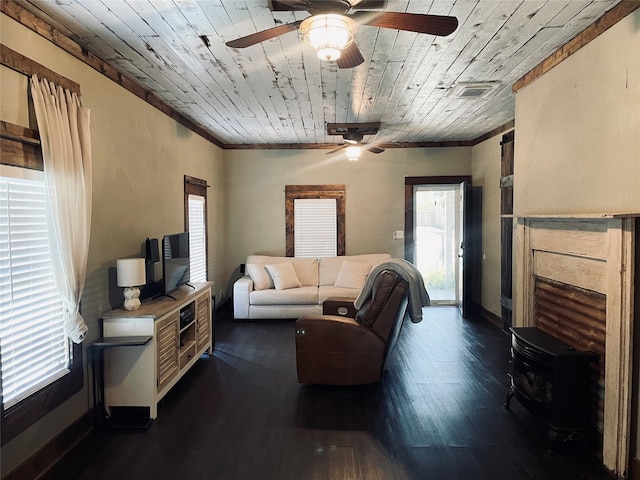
[278,92]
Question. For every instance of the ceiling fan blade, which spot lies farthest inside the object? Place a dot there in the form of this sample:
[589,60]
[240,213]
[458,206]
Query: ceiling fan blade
[268,34]
[375,149]
[351,57]
[411,22]
[288,5]
[336,150]
[368,4]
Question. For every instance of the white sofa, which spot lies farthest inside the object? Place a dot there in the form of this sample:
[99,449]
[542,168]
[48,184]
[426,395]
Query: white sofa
[288,287]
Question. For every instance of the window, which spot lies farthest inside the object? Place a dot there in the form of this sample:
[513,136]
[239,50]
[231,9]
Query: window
[197,239]
[35,354]
[315,227]
[35,350]
[25,154]
[195,191]
[314,217]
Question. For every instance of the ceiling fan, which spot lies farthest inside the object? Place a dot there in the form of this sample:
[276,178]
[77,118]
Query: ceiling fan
[331,29]
[353,133]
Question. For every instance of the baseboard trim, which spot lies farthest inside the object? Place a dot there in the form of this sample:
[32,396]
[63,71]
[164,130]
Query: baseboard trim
[45,458]
[488,316]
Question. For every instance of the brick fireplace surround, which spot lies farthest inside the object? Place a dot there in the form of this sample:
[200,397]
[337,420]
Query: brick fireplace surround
[589,262]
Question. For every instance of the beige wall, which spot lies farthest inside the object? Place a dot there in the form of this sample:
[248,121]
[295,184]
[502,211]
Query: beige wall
[139,159]
[374,202]
[486,174]
[578,134]
[577,144]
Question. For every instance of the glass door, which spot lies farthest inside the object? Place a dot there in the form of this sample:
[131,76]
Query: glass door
[437,235]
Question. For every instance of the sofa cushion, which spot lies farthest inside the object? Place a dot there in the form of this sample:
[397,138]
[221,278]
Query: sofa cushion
[330,266]
[283,275]
[259,275]
[291,296]
[352,274]
[306,268]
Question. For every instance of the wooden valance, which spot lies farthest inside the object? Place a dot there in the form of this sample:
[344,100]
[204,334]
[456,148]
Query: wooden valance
[20,146]
[26,66]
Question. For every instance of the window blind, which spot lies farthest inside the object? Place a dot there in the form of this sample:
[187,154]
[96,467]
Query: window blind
[315,227]
[197,239]
[35,351]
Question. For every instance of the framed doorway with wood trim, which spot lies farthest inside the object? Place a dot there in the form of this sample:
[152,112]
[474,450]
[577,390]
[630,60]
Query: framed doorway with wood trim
[438,236]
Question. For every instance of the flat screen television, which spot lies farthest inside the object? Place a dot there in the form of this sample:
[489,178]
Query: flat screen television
[175,261]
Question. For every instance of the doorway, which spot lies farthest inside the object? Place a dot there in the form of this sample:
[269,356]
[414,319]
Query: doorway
[437,237]
[436,231]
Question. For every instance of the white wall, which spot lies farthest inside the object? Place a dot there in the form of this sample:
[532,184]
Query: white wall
[374,202]
[140,157]
[577,146]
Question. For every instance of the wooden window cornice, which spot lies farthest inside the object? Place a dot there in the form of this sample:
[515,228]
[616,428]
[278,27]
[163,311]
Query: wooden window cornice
[24,65]
[20,147]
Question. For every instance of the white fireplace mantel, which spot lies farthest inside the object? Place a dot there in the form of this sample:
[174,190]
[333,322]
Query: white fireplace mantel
[595,252]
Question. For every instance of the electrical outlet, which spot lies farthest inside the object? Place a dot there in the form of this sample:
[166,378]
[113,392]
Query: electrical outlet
[398,234]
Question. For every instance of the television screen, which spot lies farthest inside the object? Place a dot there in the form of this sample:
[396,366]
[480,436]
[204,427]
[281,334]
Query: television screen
[175,261]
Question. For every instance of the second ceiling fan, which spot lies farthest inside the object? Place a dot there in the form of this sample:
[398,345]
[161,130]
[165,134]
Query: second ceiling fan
[331,29]
[352,134]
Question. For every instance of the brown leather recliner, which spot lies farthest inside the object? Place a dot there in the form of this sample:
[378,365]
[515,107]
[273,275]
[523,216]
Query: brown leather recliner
[339,350]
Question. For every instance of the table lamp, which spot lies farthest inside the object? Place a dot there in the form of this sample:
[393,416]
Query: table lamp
[131,275]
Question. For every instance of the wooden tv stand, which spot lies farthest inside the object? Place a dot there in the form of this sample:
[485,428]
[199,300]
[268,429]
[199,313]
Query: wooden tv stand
[180,330]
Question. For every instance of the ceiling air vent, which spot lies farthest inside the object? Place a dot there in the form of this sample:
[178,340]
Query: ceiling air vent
[472,90]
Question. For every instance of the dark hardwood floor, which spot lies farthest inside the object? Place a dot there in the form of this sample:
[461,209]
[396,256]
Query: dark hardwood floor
[240,415]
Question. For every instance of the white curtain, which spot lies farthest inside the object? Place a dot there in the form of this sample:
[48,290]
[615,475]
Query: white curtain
[63,124]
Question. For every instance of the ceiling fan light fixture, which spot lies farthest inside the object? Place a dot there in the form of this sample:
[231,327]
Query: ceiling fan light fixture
[329,53]
[328,34]
[353,152]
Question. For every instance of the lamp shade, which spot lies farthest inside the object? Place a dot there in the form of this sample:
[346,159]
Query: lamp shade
[131,272]
[328,34]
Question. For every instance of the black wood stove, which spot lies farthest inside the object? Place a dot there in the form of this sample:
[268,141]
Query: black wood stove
[551,379]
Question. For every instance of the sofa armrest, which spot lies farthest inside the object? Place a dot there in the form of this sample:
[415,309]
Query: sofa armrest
[242,289]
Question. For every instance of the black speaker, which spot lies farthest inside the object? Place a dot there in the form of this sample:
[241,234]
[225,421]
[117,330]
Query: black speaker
[153,252]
